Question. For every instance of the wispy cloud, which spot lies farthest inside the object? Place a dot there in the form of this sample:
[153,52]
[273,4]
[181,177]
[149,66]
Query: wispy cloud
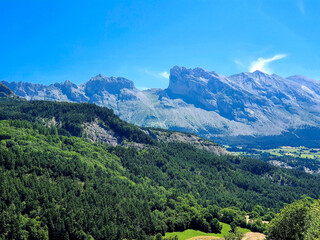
[165,75]
[236,61]
[301,7]
[261,64]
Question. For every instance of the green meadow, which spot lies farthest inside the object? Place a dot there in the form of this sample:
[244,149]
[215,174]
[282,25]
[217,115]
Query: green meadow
[301,152]
[194,233]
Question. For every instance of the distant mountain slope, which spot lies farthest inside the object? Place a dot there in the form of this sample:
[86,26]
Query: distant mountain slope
[233,108]
[6,92]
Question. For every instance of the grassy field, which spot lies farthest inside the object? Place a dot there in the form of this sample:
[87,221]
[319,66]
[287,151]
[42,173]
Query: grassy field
[301,152]
[194,233]
[298,152]
[300,158]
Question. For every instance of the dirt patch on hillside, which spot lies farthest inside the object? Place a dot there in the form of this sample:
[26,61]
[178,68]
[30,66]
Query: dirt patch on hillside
[253,236]
[204,238]
[247,236]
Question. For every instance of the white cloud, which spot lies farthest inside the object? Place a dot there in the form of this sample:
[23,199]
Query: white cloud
[165,75]
[261,64]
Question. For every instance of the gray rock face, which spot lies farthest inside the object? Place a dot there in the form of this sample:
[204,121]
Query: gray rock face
[169,136]
[112,85]
[199,101]
[95,132]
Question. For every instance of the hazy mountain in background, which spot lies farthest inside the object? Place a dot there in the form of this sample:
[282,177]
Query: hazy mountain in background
[6,92]
[237,108]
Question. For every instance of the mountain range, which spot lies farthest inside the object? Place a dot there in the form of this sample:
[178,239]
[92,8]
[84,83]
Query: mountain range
[227,109]
[77,171]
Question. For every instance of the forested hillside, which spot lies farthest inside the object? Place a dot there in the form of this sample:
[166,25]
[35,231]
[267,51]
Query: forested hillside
[299,220]
[6,92]
[56,183]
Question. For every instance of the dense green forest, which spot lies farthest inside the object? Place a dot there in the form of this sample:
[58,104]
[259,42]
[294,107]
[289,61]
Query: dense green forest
[299,220]
[57,184]
[70,117]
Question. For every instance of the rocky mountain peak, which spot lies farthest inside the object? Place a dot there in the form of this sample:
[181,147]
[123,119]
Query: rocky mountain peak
[176,68]
[199,101]
[199,87]
[119,80]
[256,74]
[256,80]
[183,81]
[99,77]
[259,73]
[198,80]
[181,77]
[113,85]
[66,84]
[196,72]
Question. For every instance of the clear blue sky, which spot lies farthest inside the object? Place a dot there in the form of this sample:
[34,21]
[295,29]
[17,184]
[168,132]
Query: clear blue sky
[52,41]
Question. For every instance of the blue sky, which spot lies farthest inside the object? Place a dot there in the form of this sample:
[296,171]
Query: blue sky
[53,41]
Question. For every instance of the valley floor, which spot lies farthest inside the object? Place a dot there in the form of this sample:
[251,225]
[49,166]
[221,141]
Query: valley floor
[301,158]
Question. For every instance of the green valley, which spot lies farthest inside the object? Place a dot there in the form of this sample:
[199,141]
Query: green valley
[57,182]
[302,158]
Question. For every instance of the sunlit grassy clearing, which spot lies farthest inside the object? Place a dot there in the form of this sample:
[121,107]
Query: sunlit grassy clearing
[194,233]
